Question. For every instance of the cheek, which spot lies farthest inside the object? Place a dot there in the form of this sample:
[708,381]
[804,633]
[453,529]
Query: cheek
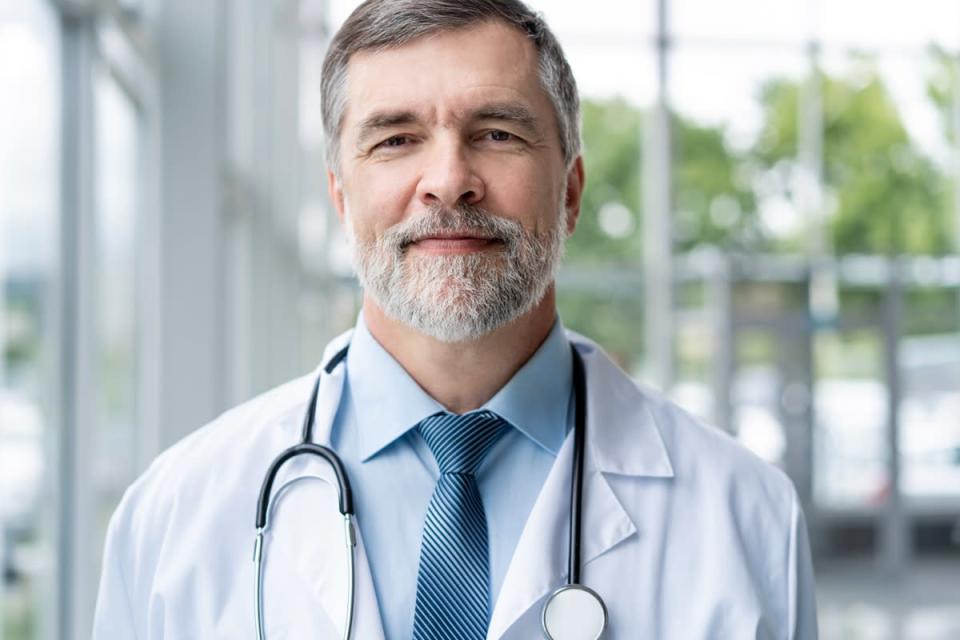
[525,192]
[375,200]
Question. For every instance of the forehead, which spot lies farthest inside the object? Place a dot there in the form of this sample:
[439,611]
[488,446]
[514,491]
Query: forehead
[446,69]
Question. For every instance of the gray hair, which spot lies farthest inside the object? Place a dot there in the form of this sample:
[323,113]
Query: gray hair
[382,24]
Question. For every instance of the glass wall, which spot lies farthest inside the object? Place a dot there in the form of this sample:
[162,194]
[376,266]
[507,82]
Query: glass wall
[29,250]
[118,185]
[798,162]
[71,185]
[607,246]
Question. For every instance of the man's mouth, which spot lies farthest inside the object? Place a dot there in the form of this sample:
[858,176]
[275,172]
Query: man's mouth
[454,242]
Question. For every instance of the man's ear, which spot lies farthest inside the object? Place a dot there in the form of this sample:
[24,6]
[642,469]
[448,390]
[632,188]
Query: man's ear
[336,194]
[574,195]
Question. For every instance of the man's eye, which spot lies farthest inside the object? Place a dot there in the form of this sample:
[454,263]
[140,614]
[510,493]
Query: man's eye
[395,141]
[500,136]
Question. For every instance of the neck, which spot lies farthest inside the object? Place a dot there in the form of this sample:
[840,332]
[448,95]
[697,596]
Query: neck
[463,376]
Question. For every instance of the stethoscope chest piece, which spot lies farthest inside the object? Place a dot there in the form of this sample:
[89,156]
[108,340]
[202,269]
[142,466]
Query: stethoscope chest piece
[574,612]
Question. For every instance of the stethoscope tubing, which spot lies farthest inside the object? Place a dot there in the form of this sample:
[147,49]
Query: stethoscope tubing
[345,494]
[345,500]
[576,480]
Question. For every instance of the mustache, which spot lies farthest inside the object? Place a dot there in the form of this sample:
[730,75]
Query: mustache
[466,219]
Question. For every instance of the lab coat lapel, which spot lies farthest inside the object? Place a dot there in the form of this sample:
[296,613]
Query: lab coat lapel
[320,553]
[622,439]
[539,564]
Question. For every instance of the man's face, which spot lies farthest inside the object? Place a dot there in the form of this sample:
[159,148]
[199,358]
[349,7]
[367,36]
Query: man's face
[452,182]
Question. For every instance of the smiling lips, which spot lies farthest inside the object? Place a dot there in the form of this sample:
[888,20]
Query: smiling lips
[454,243]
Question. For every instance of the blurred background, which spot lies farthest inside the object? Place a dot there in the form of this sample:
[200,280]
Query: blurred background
[771,232]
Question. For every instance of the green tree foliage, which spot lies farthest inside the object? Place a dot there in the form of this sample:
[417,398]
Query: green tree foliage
[884,195]
[942,84]
[612,155]
[713,209]
[712,204]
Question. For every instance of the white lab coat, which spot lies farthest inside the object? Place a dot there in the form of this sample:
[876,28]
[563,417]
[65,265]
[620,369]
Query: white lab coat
[687,536]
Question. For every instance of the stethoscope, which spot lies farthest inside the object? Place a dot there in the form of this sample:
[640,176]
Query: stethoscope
[572,612]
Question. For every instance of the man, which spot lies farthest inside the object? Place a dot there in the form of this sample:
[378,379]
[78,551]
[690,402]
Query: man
[455,167]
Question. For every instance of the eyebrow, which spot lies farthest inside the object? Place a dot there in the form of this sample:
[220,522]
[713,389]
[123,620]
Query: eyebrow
[512,112]
[381,120]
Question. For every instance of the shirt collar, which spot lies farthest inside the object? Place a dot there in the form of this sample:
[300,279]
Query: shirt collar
[536,400]
[388,402]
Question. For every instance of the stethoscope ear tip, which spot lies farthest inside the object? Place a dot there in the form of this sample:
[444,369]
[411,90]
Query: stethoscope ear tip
[574,612]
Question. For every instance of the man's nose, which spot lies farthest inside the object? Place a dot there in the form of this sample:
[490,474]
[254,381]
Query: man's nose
[449,177]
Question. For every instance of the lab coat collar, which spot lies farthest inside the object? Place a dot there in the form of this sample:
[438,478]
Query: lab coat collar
[331,386]
[622,439]
[622,436]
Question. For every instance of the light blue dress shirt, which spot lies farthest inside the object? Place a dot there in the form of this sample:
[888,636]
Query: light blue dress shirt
[393,472]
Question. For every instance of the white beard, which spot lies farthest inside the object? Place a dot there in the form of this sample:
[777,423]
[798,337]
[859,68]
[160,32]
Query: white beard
[461,297]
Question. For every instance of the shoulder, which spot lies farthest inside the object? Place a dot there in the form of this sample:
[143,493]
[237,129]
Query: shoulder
[197,500]
[218,456]
[714,459]
[701,459]
[223,452]
[233,431]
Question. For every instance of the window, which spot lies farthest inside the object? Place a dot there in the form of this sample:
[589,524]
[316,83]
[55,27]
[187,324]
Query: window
[117,212]
[29,241]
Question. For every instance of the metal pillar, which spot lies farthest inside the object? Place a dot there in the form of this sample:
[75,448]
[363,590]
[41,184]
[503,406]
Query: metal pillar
[192,340]
[895,544]
[77,318]
[723,322]
[262,158]
[3,545]
[955,139]
[658,237]
[794,338]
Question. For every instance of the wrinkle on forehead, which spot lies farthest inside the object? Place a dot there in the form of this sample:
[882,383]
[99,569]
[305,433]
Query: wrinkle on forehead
[492,59]
[482,103]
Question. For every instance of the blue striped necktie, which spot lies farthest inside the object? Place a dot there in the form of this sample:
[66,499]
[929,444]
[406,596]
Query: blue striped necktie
[453,584]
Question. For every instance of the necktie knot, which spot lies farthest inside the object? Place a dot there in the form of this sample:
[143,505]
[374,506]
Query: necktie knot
[460,442]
